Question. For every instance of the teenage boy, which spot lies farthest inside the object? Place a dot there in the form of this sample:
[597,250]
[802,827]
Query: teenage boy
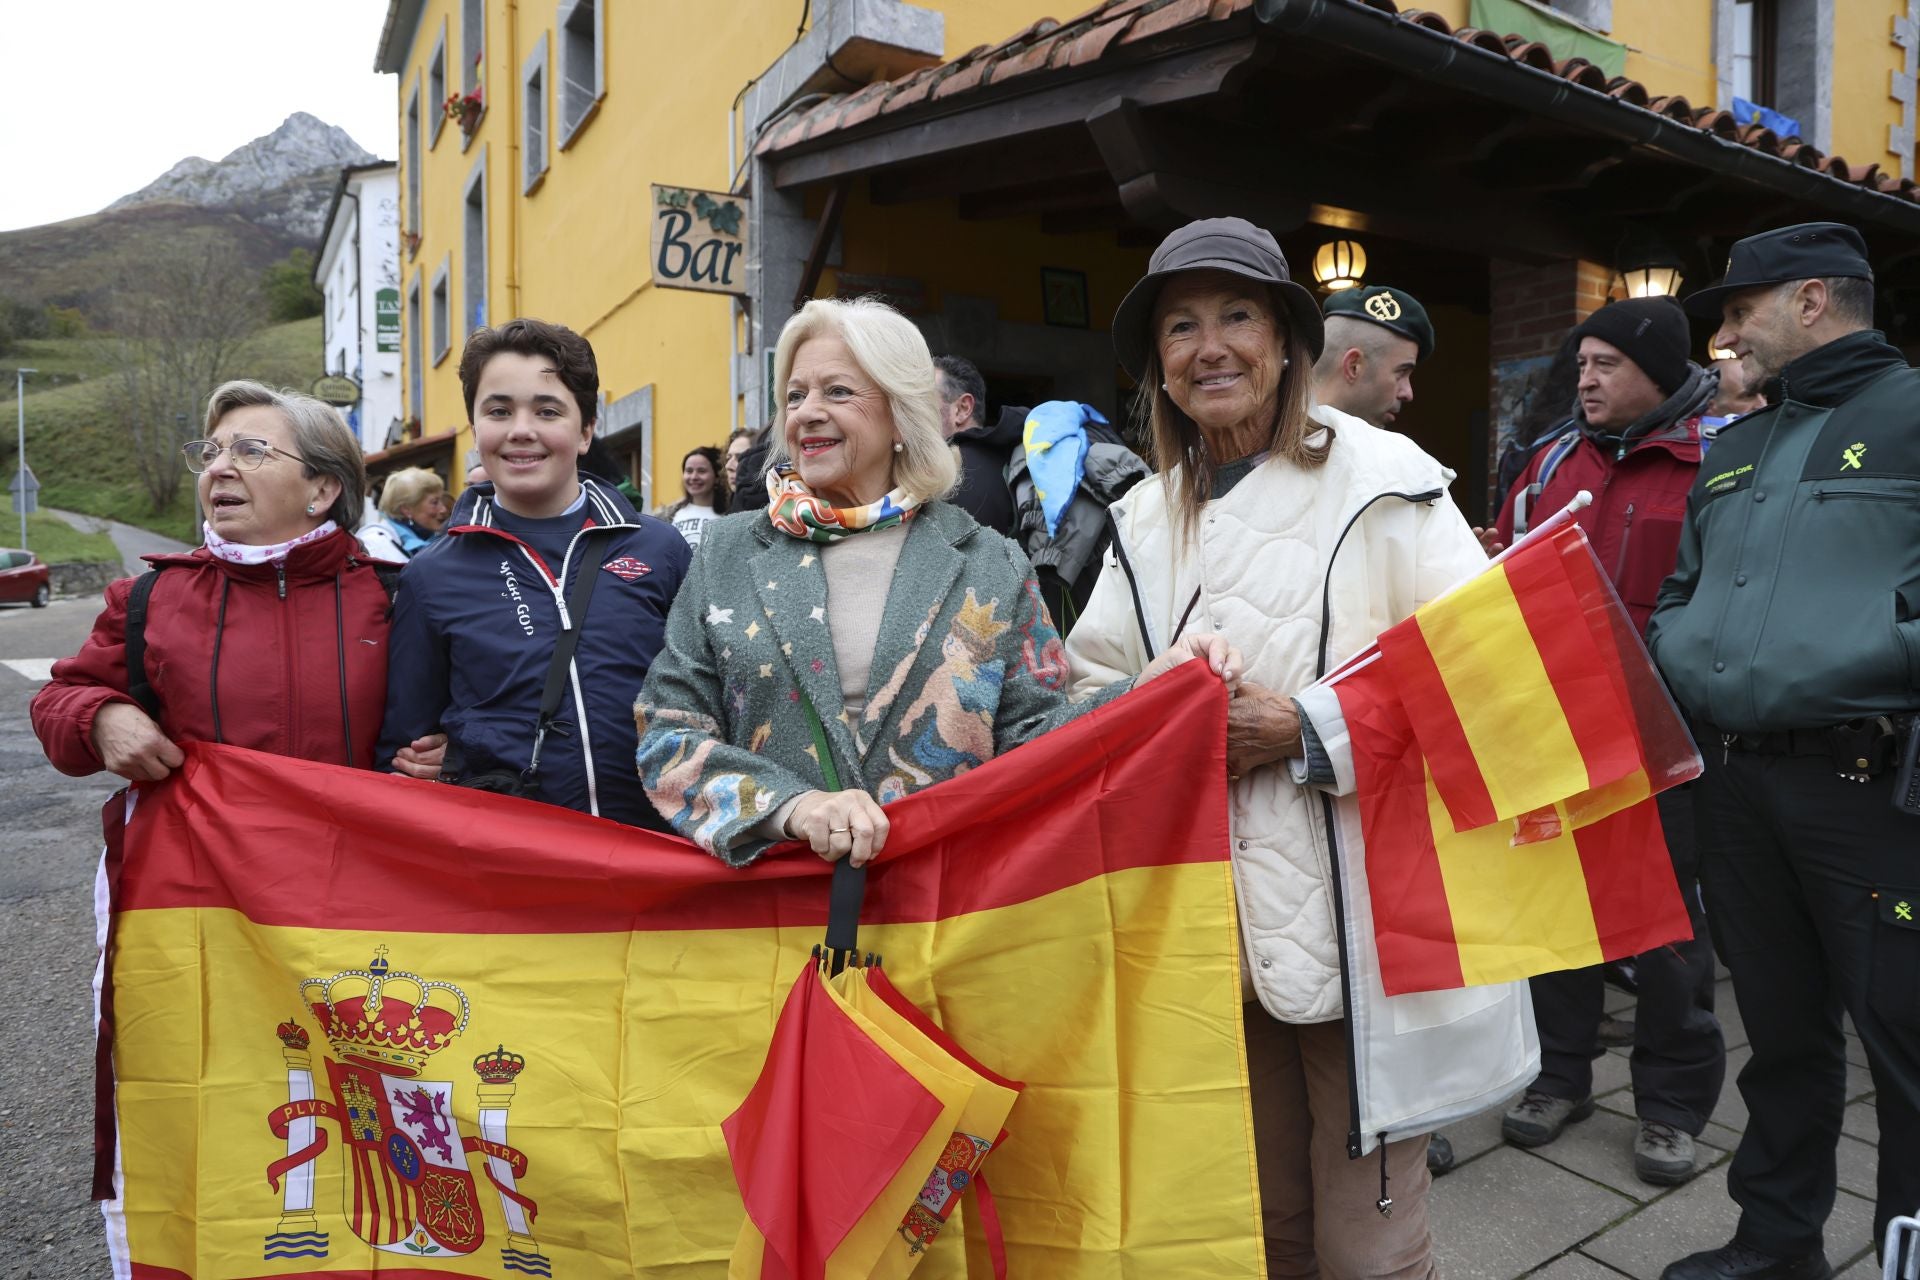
[480,612]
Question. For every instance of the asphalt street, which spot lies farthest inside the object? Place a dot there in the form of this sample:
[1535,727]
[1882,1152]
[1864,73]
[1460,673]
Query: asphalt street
[49,844]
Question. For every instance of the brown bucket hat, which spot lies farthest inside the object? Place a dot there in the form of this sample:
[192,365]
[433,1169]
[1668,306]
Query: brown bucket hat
[1233,245]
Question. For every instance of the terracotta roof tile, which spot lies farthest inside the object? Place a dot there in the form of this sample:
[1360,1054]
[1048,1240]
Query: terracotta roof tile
[1091,46]
[1531,52]
[967,76]
[1491,41]
[866,104]
[1168,17]
[1429,19]
[1804,154]
[1035,57]
[1102,30]
[1673,107]
[1720,124]
[1583,73]
[1626,90]
[912,89]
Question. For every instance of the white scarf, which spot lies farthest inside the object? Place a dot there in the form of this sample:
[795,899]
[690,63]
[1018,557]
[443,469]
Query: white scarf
[245,553]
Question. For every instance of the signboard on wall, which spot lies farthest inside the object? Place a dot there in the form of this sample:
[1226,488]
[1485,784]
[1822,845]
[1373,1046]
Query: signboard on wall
[699,240]
[336,390]
[386,319]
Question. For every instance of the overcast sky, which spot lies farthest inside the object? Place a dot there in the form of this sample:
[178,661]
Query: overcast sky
[99,99]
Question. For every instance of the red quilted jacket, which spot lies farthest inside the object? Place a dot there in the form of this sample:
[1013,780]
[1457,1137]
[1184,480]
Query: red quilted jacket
[1639,503]
[301,665]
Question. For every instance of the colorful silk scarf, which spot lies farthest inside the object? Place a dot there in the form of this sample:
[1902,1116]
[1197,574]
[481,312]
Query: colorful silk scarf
[795,510]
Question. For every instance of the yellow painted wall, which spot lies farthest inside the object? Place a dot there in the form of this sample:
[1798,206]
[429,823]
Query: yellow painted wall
[1669,47]
[1862,106]
[576,250]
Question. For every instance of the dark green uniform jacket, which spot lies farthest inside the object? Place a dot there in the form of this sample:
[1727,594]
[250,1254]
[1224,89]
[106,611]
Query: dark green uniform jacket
[1796,600]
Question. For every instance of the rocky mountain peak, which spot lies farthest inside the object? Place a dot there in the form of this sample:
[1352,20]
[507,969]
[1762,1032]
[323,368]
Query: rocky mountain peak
[283,179]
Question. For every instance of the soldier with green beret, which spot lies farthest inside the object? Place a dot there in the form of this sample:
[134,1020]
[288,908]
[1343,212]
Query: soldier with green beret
[1376,334]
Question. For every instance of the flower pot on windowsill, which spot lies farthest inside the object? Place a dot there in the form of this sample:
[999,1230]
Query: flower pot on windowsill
[465,110]
[412,241]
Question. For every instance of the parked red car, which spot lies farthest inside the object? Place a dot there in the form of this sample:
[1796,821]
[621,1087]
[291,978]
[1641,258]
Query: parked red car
[24,577]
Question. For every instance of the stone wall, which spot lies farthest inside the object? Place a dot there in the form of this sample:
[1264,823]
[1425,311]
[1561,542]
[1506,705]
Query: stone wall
[83,579]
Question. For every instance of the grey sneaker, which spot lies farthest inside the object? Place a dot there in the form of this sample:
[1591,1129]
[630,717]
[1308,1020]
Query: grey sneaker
[1662,1154]
[1538,1118]
[1439,1155]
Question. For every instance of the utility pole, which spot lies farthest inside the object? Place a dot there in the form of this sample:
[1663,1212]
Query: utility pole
[20,458]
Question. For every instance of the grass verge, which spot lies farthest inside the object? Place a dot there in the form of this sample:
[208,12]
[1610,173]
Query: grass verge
[57,542]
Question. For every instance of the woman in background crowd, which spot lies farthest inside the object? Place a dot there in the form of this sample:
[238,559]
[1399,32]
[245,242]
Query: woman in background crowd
[413,510]
[705,486]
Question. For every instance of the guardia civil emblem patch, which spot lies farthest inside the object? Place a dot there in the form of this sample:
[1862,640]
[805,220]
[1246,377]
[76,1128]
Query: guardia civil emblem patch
[409,1187]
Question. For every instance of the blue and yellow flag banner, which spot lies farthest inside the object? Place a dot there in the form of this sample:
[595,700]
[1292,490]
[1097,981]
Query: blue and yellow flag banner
[365,1024]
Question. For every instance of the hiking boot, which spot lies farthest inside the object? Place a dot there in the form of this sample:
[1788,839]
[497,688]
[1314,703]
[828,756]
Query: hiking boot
[1662,1154]
[1538,1118]
[1439,1155]
[1736,1261]
[1615,1033]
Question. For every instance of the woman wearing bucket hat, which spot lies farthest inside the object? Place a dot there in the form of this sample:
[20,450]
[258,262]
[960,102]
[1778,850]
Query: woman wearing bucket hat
[1299,533]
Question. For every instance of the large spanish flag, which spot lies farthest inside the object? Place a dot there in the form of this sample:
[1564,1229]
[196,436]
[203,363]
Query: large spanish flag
[1507,740]
[365,1024]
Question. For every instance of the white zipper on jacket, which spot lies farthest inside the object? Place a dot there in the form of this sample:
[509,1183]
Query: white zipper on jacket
[559,589]
[1331,821]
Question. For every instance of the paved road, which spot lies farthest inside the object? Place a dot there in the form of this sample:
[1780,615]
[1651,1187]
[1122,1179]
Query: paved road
[131,540]
[1569,1211]
[51,840]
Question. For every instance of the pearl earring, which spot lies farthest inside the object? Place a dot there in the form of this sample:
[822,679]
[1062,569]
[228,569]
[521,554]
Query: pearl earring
[898,447]
[309,508]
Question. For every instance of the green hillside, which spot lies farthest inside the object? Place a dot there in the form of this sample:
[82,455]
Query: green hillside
[81,459]
[82,261]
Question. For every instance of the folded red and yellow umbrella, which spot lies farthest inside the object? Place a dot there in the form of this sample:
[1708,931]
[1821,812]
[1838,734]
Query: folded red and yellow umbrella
[865,1128]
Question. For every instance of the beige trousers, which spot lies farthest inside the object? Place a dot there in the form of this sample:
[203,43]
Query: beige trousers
[1319,1208]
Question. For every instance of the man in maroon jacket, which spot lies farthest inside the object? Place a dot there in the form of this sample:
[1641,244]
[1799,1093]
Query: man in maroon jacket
[1634,443]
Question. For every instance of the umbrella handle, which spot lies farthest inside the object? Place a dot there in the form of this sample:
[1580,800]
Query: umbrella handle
[843,914]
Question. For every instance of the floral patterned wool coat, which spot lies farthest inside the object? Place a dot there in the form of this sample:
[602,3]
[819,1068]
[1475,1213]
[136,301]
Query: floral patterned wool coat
[966,665]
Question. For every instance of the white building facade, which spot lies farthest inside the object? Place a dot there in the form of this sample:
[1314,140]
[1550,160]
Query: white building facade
[358,272]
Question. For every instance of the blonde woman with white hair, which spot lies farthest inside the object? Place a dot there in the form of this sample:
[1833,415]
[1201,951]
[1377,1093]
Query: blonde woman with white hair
[860,610]
[413,510]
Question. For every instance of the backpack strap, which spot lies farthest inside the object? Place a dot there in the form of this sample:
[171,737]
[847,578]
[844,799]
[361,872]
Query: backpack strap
[389,575]
[137,686]
[1555,455]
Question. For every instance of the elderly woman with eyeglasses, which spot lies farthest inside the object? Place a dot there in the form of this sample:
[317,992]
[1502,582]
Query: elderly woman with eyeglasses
[272,636]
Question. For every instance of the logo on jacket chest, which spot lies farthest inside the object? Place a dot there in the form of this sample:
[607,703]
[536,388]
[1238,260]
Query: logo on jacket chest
[627,568]
[522,612]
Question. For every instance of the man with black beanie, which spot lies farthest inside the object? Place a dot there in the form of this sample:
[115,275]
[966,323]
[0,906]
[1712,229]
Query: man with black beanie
[1635,445]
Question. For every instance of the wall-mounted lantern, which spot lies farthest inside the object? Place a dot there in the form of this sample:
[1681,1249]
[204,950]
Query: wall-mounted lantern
[1339,264]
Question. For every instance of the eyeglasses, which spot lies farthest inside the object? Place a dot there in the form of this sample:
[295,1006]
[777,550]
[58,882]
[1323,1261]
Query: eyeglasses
[247,454]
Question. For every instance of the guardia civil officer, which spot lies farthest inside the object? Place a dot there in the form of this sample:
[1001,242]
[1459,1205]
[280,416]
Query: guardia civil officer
[1375,337]
[1790,632]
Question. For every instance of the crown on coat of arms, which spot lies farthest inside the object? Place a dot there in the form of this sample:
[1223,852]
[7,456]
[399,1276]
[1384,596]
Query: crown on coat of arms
[386,1018]
[498,1067]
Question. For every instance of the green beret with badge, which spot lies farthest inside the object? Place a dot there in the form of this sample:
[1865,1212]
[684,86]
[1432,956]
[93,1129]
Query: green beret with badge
[1390,308]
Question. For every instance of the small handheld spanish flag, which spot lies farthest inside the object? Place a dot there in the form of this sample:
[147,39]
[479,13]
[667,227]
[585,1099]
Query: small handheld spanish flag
[1507,741]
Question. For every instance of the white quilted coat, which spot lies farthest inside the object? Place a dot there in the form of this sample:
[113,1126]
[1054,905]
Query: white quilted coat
[1258,558]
